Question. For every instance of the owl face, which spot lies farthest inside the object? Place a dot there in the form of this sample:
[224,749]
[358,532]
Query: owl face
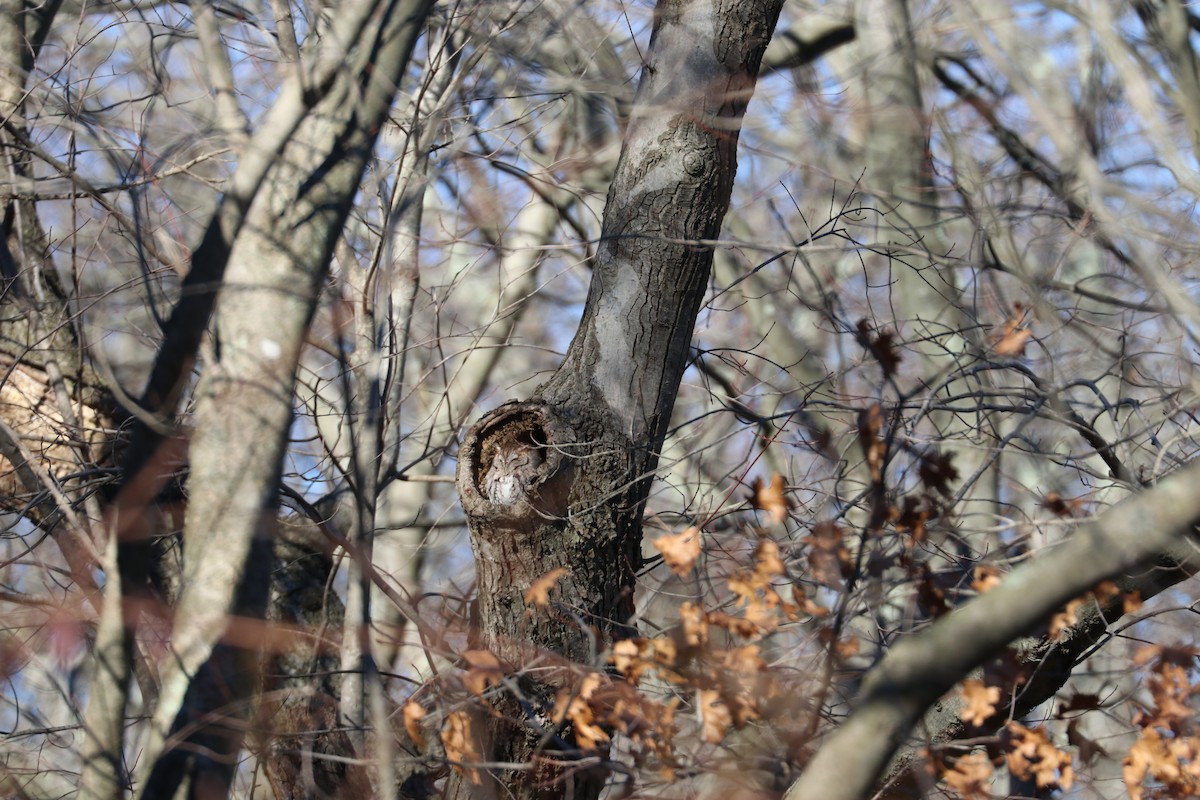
[513,465]
[503,489]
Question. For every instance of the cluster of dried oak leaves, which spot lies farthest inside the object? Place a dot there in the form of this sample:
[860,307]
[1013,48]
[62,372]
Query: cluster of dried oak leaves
[715,656]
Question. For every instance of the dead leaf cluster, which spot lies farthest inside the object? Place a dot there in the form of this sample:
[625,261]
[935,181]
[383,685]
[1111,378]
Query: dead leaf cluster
[1011,340]
[731,685]
[597,706]
[870,428]
[1028,753]
[1167,749]
[1031,754]
[881,345]
[680,551]
[979,701]
[772,498]
[829,559]
[1102,596]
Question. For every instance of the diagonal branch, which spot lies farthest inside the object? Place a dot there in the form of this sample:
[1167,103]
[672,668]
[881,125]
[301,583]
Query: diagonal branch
[921,668]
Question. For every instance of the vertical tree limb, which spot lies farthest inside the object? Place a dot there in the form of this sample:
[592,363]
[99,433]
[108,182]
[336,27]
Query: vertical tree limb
[244,401]
[584,451]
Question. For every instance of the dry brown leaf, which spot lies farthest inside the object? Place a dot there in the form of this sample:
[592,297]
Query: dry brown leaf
[483,670]
[738,626]
[790,610]
[414,712]
[1151,757]
[588,735]
[665,652]
[647,723]
[931,597]
[986,578]
[1064,619]
[573,704]
[654,728]
[762,614]
[742,707]
[1032,755]
[912,519]
[1012,343]
[771,498]
[760,603]
[538,593]
[693,626]
[870,425]
[971,776]
[1164,654]
[1106,591]
[1171,688]
[745,660]
[829,560]
[1078,701]
[1133,770]
[744,586]
[880,344]
[806,604]
[846,648]
[767,563]
[1088,749]
[840,649]
[937,472]
[458,739]
[1062,506]
[1131,602]
[980,701]
[715,714]
[626,659]
[1012,340]
[680,551]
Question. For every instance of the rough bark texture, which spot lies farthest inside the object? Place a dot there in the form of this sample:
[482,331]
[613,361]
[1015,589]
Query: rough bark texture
[304,748]
[151,457]
[561,481]
[244,400]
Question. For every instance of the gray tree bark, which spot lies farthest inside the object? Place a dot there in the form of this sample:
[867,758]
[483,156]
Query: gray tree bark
[244,403]
[148,457]
[560,481]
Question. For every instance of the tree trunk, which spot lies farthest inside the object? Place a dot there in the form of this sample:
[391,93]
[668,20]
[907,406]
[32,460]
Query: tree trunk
[560,481]
[244,404]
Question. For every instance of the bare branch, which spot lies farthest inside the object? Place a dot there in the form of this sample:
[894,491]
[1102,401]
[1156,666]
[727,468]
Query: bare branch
[921,668]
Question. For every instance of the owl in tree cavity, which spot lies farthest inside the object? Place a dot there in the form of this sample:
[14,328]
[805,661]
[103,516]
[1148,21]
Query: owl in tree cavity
[513,465]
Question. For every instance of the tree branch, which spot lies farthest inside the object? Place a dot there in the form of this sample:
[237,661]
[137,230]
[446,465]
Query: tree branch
[806,41]
[921,668]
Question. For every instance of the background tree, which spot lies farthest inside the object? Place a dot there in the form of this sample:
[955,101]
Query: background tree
[900,405]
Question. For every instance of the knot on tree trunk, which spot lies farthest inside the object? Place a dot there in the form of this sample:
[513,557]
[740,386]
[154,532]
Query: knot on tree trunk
[515,465]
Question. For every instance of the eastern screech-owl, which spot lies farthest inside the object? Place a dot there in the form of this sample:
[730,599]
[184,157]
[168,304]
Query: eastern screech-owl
[512,466]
